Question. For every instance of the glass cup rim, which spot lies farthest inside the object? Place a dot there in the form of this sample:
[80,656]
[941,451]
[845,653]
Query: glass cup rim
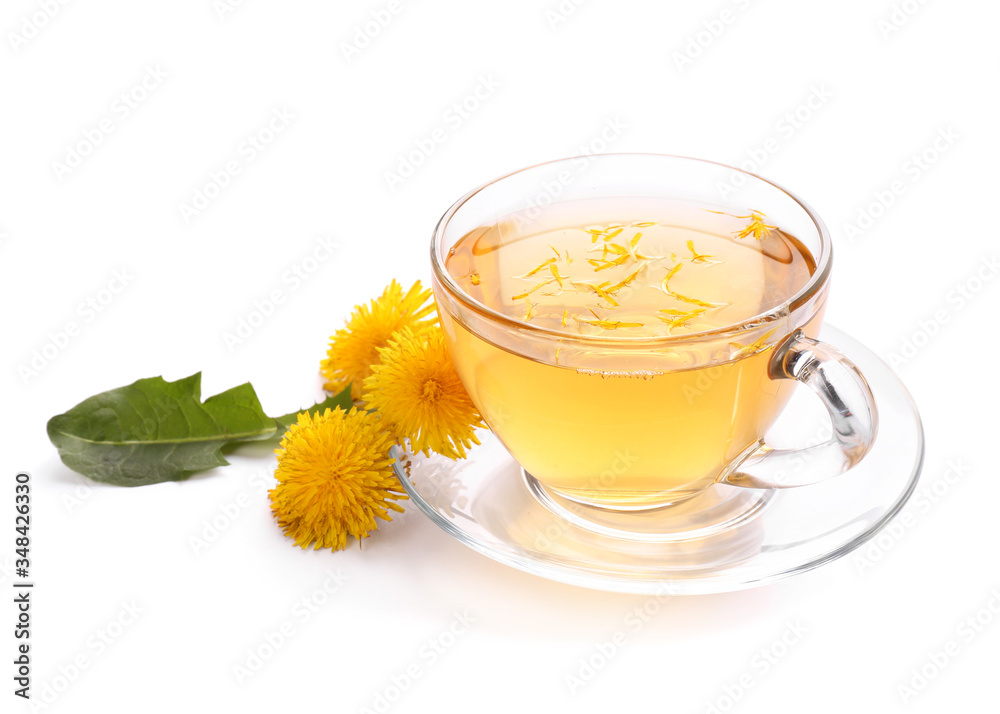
[803,295]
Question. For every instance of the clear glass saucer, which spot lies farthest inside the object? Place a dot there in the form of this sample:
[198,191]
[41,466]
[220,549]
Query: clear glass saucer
[488,503]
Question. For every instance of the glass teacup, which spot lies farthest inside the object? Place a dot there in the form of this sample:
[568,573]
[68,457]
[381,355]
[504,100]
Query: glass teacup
[610,394]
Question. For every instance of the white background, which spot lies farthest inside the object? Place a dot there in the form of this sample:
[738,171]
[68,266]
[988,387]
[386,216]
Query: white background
[98,550]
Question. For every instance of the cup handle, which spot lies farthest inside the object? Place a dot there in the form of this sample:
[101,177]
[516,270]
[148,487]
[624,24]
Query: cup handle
[846,396]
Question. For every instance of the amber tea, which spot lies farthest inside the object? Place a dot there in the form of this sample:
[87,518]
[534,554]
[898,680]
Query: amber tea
[642,416]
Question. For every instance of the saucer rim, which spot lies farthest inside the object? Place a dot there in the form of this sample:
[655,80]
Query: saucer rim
[572,573]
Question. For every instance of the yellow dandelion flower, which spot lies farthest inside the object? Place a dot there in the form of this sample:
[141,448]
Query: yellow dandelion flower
[334,478]
[416,389]
[354,348]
